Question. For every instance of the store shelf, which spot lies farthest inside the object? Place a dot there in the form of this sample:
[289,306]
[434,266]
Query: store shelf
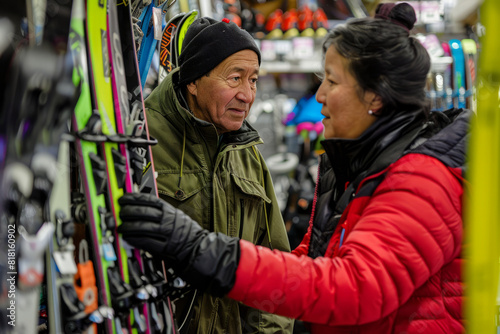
[302,66]
[297,55]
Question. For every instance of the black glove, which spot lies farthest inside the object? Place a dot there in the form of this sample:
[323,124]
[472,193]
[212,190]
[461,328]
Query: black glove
[206,260]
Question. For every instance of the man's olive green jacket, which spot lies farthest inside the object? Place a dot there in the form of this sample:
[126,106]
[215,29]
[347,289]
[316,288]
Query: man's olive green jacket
[223,184]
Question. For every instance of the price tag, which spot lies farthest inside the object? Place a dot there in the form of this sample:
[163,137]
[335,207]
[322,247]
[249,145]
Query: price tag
[283,47]
[108,252]
[303,47]
[65,262]
[267,49]
[430,12]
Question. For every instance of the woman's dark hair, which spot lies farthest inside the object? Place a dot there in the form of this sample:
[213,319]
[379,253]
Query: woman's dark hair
[383,57]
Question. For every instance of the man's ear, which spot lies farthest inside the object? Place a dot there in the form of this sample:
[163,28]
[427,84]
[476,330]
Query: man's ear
[192,88]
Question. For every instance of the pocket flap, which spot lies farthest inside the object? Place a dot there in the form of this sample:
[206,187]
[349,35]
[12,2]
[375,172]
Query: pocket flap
[251,188]
[191,184]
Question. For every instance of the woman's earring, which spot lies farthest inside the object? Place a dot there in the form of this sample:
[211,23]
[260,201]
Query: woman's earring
[370,112]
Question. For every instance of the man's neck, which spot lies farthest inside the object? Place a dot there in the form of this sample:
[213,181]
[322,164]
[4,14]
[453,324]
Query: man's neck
[182,99]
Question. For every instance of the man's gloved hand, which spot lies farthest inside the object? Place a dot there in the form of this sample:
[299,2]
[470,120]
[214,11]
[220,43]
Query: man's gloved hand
[206,260]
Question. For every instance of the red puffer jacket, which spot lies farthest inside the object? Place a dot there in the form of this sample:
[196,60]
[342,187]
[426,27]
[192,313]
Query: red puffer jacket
[397,270]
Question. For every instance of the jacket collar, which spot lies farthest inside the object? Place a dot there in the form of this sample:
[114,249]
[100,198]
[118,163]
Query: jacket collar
[350,157]
[443,136]
[448,137]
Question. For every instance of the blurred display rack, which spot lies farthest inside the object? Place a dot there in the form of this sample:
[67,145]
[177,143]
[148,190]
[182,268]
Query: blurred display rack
[295,55]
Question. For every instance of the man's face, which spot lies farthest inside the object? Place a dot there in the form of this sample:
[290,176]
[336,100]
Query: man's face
[225,96]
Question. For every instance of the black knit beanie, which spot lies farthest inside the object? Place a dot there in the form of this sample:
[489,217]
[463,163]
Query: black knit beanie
[207,43]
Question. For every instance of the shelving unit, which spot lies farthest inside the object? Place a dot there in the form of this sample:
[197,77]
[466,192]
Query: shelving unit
[297,55]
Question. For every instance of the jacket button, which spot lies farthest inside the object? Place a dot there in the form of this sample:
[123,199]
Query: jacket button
[179,194]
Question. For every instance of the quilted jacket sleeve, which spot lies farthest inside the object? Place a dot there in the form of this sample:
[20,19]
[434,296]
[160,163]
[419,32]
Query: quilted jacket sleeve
[408,230]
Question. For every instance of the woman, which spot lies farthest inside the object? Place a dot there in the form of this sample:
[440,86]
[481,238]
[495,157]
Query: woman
[382,252]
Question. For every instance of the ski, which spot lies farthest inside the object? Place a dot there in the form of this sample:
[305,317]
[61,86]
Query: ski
[149,23]
[182,28]
[166,47]
[131,121]
[184,5]
[205,8]
[37,107]
[14,15]
[470,57]
[458,72]
[114,166]
[145,314]
[86,303]
[60,264]
[448,78]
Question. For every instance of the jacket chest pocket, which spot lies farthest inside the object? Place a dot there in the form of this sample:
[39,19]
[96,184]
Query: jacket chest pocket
[188,196]
[250,216]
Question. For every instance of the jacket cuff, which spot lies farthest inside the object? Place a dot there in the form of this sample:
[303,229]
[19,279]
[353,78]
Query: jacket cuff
[244,272]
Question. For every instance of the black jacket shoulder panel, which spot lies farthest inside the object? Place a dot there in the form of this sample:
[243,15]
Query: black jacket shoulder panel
[449,144]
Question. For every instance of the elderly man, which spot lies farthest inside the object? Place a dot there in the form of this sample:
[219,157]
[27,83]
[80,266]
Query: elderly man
[208,165]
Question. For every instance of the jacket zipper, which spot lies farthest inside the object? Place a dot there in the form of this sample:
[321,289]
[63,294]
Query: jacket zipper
[315,198]
[211,328]
[241,217]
